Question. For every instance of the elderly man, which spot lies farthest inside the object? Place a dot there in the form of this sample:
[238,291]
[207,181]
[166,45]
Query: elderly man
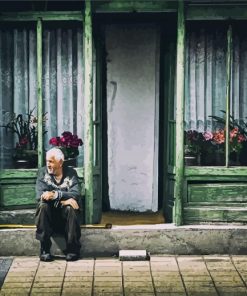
[59,203]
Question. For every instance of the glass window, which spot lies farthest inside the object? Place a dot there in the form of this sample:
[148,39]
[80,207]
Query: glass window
[18,94]
[205,97]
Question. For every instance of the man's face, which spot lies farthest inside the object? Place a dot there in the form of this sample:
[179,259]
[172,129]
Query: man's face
[53,165]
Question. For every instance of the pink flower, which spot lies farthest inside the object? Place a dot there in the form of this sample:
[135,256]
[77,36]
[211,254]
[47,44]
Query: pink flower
[55,141]
[208,136]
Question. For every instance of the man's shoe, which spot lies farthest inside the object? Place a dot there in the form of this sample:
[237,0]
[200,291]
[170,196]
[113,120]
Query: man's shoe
[47,257]
[72,257]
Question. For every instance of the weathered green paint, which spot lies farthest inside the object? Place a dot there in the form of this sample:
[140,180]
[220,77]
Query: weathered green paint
[39,94]
[205,172]
[178,192]
[135,6]
[209,214]
[228,90]
[88,92]
[17,174]
[217,192]
[44,15]
[218,12]
[13,195]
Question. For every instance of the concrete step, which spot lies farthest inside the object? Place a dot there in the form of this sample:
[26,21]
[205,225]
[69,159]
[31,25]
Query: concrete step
[155,239]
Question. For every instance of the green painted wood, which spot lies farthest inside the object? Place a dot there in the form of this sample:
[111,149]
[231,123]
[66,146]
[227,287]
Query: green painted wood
[13,195]
[179,115]
[39,94]
[12,174]
[88,93]
[135,6]
[214,214]
[218,192]
[44,15]
[217,12]
[217,172]
[228,91]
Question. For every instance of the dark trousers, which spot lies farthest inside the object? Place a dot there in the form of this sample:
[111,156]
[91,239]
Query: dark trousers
[65,220]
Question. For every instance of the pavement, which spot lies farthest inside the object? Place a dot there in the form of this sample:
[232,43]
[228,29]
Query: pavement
[162,275]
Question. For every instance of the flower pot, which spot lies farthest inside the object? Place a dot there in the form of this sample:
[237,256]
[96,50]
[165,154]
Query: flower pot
[25,159]
[219,158]
[70,162]
[190,160]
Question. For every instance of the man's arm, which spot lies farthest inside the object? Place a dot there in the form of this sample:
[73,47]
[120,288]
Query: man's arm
[41,185]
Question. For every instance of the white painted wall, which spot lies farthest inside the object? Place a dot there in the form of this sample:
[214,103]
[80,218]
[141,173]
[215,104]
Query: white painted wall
[132,102]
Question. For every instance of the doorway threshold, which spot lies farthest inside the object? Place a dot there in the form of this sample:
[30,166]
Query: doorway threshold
[130,218]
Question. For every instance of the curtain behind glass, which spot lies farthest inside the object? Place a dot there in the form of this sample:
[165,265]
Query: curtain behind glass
[206,74]
[62,83]
[17,82]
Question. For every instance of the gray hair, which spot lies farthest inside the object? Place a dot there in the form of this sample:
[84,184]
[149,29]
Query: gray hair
[56,152]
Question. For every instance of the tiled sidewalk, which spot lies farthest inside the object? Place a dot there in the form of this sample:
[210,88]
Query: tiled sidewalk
[162,275]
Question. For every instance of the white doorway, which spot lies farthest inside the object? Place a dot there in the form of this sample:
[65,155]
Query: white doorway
[132,65]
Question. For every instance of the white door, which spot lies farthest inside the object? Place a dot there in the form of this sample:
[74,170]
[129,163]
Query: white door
[132,115]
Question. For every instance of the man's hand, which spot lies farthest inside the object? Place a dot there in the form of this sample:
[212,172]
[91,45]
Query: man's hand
[48,195]
[70,202]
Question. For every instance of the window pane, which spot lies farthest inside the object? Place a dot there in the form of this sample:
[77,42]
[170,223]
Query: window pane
[62,81]
[18,92]
[238,131]
[205,99]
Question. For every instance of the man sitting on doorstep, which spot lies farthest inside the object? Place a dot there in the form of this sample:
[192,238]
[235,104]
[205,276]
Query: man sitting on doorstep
[59,205]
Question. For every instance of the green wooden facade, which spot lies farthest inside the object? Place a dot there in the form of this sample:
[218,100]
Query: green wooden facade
[191,195]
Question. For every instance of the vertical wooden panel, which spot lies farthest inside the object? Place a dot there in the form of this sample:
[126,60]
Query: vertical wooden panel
[179,115]
[88,91]
[39,93]
[228,89]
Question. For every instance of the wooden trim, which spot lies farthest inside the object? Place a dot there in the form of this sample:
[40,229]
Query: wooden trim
[178,190]
[88,91]
[215,171]
[216,12]
[45,16]
[39,94]
[228,92]
[134,6]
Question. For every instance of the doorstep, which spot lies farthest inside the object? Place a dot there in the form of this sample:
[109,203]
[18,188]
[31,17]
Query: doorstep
[155,239]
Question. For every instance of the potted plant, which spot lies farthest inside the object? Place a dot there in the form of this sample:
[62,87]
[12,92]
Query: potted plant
[69,143]
[192,147]
[26,129]
[237,138]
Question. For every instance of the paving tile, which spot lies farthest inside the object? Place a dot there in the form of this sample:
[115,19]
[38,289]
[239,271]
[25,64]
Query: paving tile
[232,290]
[13,291]
[107,279]
[138,284]
[18,280]
[139,279]
[108,289]
[47,284]
[77,284]
[11,285]
[76,292]
[78,279]
[170,294]
[138,290]
[202,293]
[39,278]
[136,273]
[46,290]
[189,278]
[139,294]
[107,284]
[21,274]
[78,273]
[169,289]
[108,294]
[105,272]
